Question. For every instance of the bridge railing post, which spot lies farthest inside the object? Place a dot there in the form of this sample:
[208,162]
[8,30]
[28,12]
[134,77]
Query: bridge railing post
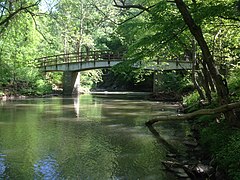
[95,56]
[87,56]
[56,60]
[177,62]
[78,56]
[44,62]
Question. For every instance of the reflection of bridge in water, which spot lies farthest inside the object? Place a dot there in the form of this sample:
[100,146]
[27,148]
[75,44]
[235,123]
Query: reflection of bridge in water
[71,64]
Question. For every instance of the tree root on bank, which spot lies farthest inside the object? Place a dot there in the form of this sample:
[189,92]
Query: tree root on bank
[218,110]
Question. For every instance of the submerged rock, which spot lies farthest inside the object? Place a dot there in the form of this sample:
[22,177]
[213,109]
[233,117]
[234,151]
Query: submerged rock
[190,143]
[171,155]
[199,171]
[176,168]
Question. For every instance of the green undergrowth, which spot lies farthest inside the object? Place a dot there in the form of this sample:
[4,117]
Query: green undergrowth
[191,101]
[223,143]
[234,84]
[217,137]
[1,93]
[27,81]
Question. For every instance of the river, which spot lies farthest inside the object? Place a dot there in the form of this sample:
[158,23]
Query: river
[86,137]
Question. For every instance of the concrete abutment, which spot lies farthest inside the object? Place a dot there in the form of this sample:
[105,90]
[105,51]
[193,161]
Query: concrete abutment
[71,82]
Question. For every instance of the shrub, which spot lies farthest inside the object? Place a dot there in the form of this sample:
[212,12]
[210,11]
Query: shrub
[173,81]
[234,83]
[191,101]
[1,93]
[228,156]
[90,78]
[191,98]
[31,82]
[223,143]
[42,87]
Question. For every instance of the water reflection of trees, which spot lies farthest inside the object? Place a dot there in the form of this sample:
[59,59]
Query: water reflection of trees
[47,140]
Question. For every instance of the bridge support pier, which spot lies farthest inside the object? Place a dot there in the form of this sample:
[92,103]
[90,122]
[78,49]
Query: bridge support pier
[71,83]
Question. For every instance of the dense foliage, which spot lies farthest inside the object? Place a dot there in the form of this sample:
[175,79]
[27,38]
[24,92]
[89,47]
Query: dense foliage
[223,143]
[40,28]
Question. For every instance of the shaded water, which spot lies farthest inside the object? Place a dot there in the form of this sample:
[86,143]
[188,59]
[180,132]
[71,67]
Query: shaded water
[89,137]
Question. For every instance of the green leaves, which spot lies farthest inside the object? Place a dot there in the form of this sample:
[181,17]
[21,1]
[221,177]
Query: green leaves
[162,31]
[78,25]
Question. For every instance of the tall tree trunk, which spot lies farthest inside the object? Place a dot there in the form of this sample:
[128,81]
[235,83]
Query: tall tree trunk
[194,79]
[208,77]
[204,81]
[196,31]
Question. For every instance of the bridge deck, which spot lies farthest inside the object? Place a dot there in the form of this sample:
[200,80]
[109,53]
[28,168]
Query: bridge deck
[100,59]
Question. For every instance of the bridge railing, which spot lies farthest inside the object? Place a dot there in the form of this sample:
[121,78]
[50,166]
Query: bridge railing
[79,57]
[107,56]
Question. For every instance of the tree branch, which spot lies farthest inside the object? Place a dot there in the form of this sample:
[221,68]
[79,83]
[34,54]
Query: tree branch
[181,117]
[230,18]
[11,15]
[132,6]
[105,15]
[36,26]
[4,8]
[129,6]
[130,18]
[175,35]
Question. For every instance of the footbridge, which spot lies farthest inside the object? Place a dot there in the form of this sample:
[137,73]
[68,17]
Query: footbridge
[72,63]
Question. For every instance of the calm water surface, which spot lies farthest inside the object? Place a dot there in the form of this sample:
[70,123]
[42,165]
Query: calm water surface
[87,137]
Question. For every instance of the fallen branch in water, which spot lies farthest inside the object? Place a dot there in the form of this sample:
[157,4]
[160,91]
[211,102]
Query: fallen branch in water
[218,110]
[170,148]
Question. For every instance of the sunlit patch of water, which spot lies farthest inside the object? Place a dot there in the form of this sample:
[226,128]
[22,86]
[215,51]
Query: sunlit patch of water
[46,168]
[3,165]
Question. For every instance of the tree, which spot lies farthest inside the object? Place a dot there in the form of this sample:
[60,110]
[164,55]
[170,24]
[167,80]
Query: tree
[75,26]
[165,13]
[19,41]
[11,9]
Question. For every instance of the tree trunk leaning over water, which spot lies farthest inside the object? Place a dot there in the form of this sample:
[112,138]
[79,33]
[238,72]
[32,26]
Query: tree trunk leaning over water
[181,117]
[207,56]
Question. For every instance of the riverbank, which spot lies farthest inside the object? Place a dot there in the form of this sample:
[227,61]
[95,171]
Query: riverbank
[221,143]
[201,160]
[4,97]
[194,162]
[212,147]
